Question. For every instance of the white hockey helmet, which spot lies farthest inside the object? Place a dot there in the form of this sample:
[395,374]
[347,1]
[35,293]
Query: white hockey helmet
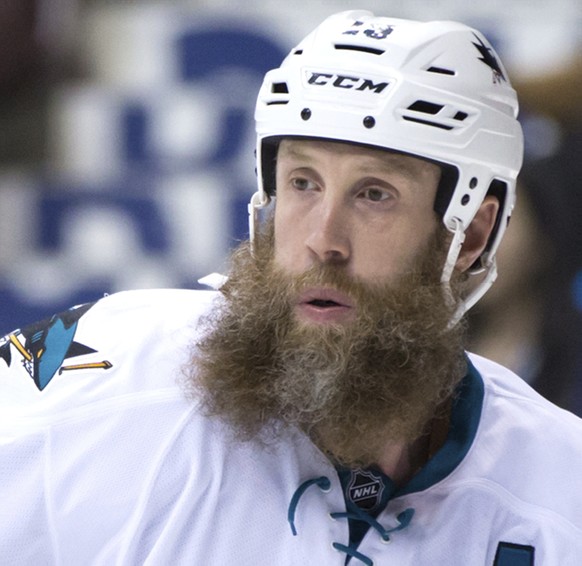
[435,90]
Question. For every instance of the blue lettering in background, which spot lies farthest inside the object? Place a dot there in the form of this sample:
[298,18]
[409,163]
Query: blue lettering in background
[214,56]
[139,208]
[202,54]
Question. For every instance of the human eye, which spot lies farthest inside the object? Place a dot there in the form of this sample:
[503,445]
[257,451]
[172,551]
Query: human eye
[376,194]
[303,184]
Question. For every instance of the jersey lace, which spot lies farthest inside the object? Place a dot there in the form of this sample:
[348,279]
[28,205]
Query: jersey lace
[404,518]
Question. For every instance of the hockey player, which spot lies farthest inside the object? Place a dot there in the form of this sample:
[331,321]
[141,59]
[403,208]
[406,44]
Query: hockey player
[321,404]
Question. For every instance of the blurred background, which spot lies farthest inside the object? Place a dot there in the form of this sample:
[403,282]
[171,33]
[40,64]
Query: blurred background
[126,155]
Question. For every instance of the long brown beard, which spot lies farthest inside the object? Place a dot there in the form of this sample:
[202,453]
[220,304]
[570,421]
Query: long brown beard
[353,388]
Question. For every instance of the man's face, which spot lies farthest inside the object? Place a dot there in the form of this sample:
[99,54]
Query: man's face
[365,210]
[337,323]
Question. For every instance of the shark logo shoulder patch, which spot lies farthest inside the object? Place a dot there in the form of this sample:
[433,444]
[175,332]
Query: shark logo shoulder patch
[44,346]
[509,554]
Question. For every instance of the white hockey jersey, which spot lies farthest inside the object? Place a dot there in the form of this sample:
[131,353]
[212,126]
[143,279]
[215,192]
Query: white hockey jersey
[104,461]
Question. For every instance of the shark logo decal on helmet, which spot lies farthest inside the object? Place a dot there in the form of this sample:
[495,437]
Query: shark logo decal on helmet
[488,57]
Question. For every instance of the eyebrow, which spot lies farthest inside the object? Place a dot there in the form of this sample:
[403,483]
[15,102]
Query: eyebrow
[390,162]
[286,149]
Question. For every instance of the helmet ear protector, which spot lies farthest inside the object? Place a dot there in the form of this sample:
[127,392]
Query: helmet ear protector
[434,90]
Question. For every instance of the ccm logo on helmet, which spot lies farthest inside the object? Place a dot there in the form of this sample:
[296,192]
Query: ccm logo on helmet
[345,81]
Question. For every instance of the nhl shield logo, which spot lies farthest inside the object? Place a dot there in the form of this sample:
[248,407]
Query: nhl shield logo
[365,489]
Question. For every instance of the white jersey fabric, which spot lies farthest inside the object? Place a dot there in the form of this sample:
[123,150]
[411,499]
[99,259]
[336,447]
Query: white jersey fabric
[104,461]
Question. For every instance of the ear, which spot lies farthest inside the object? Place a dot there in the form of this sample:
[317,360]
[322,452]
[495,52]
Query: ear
[478,232]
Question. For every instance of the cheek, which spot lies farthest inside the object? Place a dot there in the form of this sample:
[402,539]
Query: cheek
[378,258]
[388,252]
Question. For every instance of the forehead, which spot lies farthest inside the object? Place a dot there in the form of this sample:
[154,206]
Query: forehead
[367,157]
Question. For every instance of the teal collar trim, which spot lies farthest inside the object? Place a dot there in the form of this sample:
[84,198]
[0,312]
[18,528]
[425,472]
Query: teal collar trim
[464,422]
[465,418]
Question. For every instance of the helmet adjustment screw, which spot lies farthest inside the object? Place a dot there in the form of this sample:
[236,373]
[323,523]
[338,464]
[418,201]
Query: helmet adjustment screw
[306,114]
[473,183]
[465,199]
[369,122]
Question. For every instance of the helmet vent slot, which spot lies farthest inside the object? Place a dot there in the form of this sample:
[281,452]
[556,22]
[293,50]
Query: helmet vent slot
[280,88]
[426,107]
[441,71]
[363,49]
[442,119]
[432,109]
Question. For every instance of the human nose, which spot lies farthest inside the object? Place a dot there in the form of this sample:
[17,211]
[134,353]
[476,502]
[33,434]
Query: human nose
[328,239]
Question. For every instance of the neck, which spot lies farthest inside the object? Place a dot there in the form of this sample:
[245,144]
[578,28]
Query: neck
[402,461]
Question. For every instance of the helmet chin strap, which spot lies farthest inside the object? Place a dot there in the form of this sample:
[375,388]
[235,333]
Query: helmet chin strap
[453,255]
[258,201]
[479,290]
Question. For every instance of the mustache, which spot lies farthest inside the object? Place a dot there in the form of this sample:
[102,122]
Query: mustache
[336,277]
[327,276]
